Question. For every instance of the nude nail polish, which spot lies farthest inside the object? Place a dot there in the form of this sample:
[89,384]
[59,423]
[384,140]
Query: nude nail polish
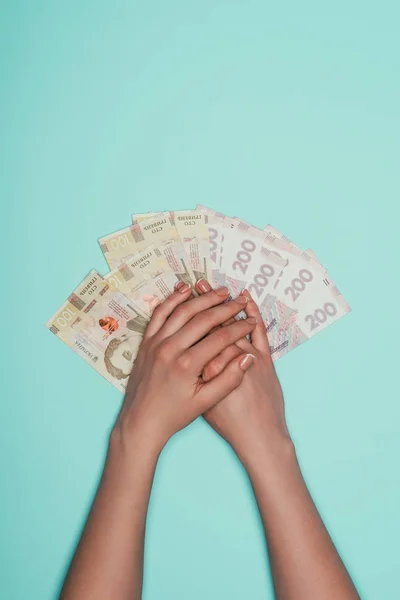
[246,361]
[203,285]
[223,291]
[185,288]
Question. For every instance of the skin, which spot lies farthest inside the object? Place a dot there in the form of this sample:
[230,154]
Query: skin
[188,337]
[305,564]
[164,394]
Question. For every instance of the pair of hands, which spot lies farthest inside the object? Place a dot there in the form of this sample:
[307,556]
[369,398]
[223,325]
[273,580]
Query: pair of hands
[193,361]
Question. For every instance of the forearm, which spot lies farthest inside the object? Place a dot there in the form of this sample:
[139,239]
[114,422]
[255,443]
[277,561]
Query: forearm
[304,562]
[108,562]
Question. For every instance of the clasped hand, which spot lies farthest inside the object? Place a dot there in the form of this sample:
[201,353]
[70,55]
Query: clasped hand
[192,361]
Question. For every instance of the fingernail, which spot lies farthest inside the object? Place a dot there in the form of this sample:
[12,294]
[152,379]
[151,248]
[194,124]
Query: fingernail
[246,361]
[241,300]
[184,288]
[203,285]
[179,285]
[245,292]
[223,291]
[251,320]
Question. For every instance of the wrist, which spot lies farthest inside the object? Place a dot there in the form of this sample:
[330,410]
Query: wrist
[268,452]
[133,445]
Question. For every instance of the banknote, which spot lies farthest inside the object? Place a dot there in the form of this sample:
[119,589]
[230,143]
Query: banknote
[141,216]
[282,341]
[275,314]
[215,230]
[152,292]
[316,300]
[146,278]
[175,251]
[274,233]
[140,267]
[154,230]
[282,244]
[215,244]
[192,227]
[104,318]
[242,244]
[102,326]
[312,254]
[265,269]
[296,332]
[216,222]
[128,241]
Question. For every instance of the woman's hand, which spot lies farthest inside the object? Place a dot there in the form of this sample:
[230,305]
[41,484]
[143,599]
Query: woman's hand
[165,390]
[304,561]
[252,418]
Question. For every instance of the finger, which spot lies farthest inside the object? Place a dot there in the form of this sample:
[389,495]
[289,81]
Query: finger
[212,392]
[199,355]
[166,308]
[228,322]
[184,313]
[259,337]
[218,364]
[203,322]
[202,286]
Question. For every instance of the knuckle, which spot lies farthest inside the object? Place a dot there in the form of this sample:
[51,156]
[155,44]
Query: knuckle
[184,362]
[182,312]
[163,352]
[212,369]
[202,321]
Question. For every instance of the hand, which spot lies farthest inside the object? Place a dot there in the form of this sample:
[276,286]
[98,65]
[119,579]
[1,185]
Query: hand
[165,391]
[252,417]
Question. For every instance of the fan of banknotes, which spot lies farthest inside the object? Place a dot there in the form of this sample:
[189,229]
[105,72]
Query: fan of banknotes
[105,317]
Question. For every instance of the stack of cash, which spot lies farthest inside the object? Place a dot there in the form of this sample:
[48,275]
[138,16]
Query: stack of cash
[105,317]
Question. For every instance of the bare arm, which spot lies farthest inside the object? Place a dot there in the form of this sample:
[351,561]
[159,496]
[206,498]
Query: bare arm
[304,562]
[108,562]
[164,394]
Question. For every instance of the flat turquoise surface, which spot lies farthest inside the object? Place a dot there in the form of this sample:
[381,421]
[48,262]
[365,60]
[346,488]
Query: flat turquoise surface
[285,113]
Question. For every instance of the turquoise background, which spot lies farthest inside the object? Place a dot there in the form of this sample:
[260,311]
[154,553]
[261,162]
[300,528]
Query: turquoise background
[285,113]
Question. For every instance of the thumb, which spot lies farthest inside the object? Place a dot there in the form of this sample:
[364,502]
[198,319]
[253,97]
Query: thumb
[221,386]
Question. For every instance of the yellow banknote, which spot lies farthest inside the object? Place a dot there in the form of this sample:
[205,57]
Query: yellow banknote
[192,227]
[155,230]
[146,278]
[102,326]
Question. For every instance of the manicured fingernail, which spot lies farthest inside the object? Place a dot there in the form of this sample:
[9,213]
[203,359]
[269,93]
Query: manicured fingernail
[246,361]
[241,300]
[251,320]
[223,291]
[179,285]
[185,288]
[203,285]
